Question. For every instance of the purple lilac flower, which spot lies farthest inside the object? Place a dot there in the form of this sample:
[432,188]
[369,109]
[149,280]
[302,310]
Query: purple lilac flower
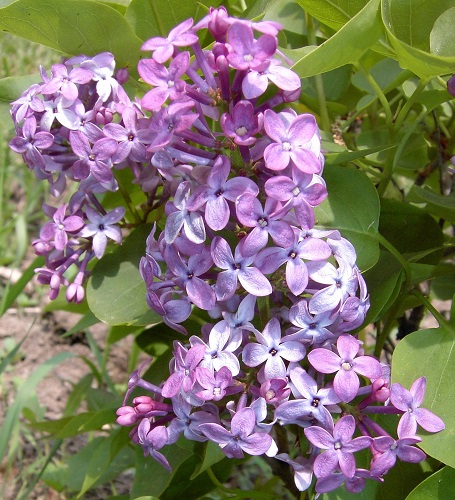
[290,142]
[264,221]
[65,81]
[303,470]
[214,385]
[242,124]
[241,438]
[272,350]
[390,449]
[102,227]
[217,191]
[61,225]
[310,404]
[183,376]
[153,440]
[168,83]
[248,53]
[409,402]
[336,478]
[346,364]
[338,446]
[252,280]
[164,48]
[219,349]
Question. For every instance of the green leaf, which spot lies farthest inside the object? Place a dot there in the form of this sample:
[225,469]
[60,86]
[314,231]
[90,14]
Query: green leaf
[439,485]
[77,424]
[333,13]
[431,354]
[384,282]
[347,156]
[352,206]
[411,230]
[359,34]
[408,24]
[442,36]
[213,454]
[13,86]
[82,27]
[116,291]
[12,291]
[150,18]
[435,203]
[151,477]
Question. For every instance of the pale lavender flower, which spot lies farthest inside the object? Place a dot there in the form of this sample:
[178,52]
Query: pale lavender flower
[183,377]
[309,327]
[336,478]
[168,83]
[346,364]
[272,350]
[291,142]
[217,191]
[391,449]
[61,225]
[241,438]
[409,402]
[163,48]
[219,349]
[102,227]
[248,53]
[341,283]
[241,124]
[311,405]
[236,268]
[65,81]
[303,470]
[153,440]
[191,222]
[338,446]
[264,221]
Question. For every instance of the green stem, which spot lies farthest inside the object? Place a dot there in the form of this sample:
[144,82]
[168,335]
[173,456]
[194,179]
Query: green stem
[319,84]
[378,91]
[410,102]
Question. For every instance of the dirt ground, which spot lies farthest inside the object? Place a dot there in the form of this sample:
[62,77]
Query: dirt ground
[43,341]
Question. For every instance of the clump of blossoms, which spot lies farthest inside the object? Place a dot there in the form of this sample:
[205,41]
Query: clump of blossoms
[215,143]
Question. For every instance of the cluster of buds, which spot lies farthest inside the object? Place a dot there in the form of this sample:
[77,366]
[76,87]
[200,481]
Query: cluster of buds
[238,173]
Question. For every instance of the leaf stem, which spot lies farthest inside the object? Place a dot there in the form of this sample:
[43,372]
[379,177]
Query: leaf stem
[378,91]
[409,103]
[435,313]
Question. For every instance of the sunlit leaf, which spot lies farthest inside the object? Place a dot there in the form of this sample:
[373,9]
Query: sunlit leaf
[346,46]
[116,291]
[82,27]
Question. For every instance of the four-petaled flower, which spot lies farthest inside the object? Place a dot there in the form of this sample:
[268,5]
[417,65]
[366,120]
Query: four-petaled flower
[347,365]
[241,437]
[338,446]
[409,402]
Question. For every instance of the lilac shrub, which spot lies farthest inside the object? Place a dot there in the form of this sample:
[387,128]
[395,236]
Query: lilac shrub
[215,143]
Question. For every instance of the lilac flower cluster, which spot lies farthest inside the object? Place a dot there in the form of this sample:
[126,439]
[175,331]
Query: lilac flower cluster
[214,143]
[65,133]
